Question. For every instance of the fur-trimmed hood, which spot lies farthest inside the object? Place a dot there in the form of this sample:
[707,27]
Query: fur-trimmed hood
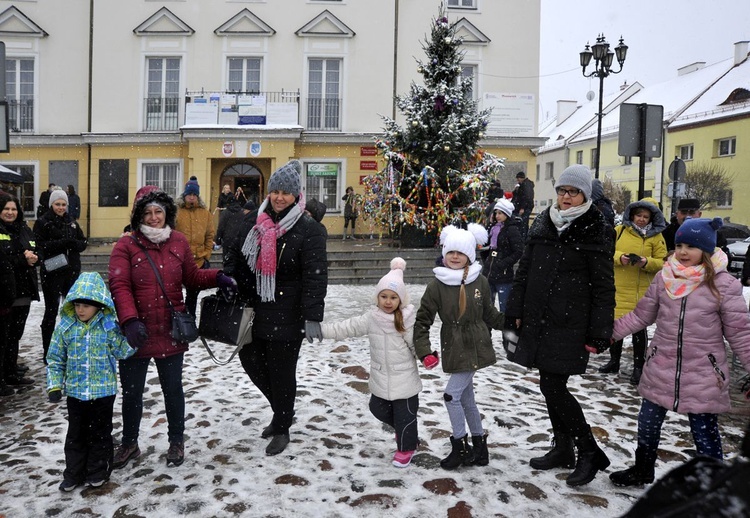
[158,196]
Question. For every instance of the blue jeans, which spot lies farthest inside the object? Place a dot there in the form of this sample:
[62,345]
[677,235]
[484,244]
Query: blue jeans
[133,379]
[502,291]
[704,427]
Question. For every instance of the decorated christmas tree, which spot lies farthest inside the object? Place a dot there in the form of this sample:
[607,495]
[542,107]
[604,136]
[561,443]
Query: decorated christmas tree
[435,173]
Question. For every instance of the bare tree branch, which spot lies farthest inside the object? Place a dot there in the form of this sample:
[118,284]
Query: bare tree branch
[707,182]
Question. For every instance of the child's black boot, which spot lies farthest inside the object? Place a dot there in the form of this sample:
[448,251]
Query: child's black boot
[460,453]
[641,473]
[481,455]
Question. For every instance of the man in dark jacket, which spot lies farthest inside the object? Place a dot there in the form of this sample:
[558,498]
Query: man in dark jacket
[523,201]
[687,208]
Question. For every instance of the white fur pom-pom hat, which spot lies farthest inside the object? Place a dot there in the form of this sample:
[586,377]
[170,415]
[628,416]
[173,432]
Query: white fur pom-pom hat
[466,241]
[394,281]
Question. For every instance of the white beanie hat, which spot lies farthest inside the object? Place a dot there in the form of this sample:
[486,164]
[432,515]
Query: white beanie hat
[505,206]
[466,241]
[394,281]
[57,194]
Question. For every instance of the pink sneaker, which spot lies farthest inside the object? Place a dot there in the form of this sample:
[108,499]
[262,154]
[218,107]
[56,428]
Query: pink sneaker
[402,458]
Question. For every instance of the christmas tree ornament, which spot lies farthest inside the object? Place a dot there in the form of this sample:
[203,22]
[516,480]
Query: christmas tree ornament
[420,69]
[414,123]
[446,148]
[447,40]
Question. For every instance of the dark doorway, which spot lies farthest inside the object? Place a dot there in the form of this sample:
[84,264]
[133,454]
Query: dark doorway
[245,181]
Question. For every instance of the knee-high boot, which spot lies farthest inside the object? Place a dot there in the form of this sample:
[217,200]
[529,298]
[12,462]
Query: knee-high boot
[591,459]
[639,355]
[613,365]
[641,473]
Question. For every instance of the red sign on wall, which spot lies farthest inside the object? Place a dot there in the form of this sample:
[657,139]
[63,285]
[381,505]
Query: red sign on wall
[362,179]
[368,165]
[368,151]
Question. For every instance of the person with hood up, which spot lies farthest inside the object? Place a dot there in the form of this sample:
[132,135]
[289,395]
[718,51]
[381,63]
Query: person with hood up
[560,309]
[57,236]
[281,266]
[640,251]
[82,362]
[195,221]
[20,288]
[146,316]
[504,251]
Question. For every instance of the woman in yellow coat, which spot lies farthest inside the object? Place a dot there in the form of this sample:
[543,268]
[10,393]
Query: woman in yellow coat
[639,254]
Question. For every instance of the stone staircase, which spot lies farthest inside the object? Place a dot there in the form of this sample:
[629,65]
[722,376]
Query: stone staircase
[349,262]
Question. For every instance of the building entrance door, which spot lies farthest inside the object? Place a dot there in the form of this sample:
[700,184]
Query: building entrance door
[245,180]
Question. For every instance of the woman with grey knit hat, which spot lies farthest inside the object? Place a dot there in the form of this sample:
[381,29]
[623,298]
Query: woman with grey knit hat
[561,308]
[280,264]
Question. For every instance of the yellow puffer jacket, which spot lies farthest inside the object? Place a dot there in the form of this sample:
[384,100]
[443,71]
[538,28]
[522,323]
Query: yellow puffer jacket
[631,282]
[198,226]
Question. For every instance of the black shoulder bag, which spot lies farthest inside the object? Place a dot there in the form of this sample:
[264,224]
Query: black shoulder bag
[183,323]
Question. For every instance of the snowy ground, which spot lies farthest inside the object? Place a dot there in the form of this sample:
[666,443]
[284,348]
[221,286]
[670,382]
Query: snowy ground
[339,461]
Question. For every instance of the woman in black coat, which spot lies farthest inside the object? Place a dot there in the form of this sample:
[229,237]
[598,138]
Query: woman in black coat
[57,234]
[280,265]
[17,245]
[562,307]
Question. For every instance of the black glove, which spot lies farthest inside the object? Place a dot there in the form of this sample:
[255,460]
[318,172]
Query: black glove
[634,259]
[227,286]
[135,332]
[597,345]
[313,330]
[55,395]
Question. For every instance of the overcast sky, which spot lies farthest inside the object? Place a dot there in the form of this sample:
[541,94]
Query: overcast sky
[662,36]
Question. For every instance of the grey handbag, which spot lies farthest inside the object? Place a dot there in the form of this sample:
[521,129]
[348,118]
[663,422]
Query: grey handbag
[55,262]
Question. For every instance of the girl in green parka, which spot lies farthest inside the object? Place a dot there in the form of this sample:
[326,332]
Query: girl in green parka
[82,359]
[461,296]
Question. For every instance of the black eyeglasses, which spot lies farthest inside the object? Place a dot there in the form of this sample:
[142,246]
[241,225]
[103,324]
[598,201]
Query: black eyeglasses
[570,192]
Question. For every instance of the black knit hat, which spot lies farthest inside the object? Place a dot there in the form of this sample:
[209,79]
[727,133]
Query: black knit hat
[160,198]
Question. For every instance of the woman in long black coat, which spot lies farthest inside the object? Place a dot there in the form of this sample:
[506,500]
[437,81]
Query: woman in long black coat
[57,233]
[280,265]
[17,243]
[562,307]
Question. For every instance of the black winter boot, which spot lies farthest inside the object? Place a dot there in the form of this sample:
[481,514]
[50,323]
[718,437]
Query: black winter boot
[613,365]
[481,455]
[562,454]
[641,473]
[639,354]
[460,453]
[591,459]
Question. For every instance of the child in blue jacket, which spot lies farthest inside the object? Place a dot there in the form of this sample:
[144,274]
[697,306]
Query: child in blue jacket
[82,360]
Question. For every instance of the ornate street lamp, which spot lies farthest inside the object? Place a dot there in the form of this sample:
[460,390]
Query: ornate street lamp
[603,58]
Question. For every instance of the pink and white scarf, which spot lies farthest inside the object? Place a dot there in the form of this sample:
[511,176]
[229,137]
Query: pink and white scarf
[680,280]
[260,246]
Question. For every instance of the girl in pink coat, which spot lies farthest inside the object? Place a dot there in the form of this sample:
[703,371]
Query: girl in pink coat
[696,304]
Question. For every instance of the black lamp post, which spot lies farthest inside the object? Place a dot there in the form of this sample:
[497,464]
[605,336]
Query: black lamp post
[603,58]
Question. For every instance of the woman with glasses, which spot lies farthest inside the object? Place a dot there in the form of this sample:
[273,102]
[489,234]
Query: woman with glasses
[561,308]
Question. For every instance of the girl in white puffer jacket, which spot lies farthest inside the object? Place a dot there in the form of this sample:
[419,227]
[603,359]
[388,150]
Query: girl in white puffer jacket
[394,378]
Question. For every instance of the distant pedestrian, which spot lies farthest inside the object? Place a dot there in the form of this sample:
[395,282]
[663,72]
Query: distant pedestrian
[394,378]
[43,207]
[460,295]
[504,250]
[74,203]
[350,211]
[82,361]
[697,305]
[601,202]
[523,200]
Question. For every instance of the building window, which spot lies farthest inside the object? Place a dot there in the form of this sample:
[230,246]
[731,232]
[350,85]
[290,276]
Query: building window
[627,160]
[593,158]
[463,4]
[19,86]
[25,191]
[322,183]
[685,152]
[166,175]
[538,167]
[579,157]
[724,199]
[244,75]
[163,94]
[324,102]
[549,170]
[726,147]
[470,72]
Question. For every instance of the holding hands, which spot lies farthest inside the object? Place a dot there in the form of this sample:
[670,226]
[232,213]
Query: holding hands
[430,361]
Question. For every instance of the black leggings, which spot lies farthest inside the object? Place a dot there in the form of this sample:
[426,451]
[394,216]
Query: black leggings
[564,411]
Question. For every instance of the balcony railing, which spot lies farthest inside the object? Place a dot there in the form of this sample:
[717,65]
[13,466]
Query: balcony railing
[161,113]
[21,115]
[324,113]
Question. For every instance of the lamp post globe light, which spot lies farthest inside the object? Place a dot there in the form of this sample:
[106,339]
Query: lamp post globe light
[603,58]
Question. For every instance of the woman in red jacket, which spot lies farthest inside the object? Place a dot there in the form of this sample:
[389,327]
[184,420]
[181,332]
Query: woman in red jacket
[146,317]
